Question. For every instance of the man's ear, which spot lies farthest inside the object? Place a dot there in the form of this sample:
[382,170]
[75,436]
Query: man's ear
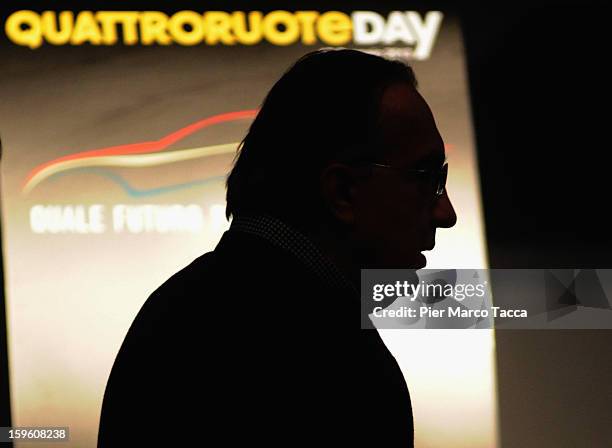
[339,185]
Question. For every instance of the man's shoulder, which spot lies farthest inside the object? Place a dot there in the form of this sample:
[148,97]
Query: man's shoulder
[239,260]
[240,265]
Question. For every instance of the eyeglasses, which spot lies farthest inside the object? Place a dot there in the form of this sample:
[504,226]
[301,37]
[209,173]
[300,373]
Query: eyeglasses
[437,176]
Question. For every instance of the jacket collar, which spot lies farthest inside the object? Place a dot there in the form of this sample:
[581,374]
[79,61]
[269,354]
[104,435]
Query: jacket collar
[286,237]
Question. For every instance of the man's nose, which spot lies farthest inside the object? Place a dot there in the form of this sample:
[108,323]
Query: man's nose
[444,213]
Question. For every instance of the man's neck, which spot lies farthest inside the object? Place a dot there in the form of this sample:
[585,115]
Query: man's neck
[337,250]
[316,249]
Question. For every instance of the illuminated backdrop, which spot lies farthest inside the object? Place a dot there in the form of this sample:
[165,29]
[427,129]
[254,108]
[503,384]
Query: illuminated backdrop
[118,129]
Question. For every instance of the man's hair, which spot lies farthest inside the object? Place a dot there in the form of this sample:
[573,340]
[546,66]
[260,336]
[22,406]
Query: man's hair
[324,108]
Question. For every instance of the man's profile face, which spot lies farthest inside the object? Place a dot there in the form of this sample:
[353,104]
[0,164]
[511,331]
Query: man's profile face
[397,211]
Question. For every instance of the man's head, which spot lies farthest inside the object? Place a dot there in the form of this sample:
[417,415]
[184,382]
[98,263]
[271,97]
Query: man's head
[336,145]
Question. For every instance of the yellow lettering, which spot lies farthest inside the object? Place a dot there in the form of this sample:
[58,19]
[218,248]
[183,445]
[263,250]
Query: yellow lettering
[153,28]
[129,19]
[177,23]
[307,20]
[86,30]
[57,35]
[125,19]
[29,28]
[108,20]
[218,25]
[335,28]
[290,32]
[30,35]
[240,28]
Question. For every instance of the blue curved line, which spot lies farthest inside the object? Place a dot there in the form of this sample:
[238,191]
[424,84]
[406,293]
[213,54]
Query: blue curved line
[134,192]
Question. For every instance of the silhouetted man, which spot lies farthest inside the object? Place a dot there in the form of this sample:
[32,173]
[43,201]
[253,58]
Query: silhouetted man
[258,342]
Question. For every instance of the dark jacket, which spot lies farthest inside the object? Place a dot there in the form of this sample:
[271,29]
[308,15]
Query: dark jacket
[247,346]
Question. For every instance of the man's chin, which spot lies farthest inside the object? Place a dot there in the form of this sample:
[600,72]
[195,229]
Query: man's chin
[410,260]
[421,261]
[415,261]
